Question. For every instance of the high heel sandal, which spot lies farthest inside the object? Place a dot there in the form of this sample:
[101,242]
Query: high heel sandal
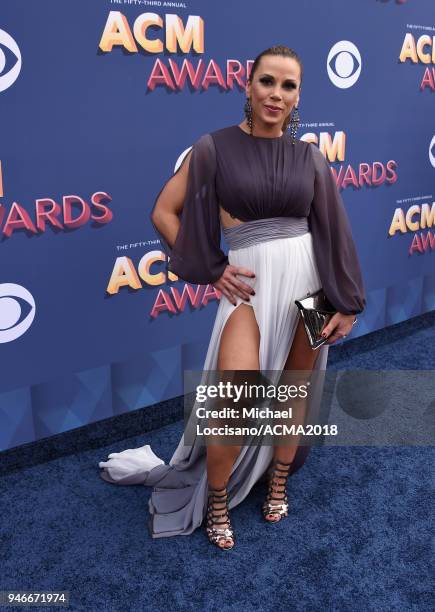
[277,505]
[216,534]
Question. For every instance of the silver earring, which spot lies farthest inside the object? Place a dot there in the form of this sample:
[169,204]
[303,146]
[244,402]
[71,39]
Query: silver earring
[248,113]
[294,124]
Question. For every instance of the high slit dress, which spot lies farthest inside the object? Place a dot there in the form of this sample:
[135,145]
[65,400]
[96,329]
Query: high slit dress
[296,238]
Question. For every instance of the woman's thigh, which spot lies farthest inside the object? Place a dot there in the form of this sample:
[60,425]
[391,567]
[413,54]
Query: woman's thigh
[301,356]
[238,351]
[240,341]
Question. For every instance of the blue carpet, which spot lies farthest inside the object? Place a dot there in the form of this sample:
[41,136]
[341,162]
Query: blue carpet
[358,536]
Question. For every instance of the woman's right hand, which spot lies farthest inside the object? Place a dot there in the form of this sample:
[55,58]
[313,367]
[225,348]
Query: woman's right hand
[230,285]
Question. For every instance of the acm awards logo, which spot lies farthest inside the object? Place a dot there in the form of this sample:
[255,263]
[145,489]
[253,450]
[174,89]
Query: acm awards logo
[364,175]
[152,271]
[175,37]
[74,212]
[417,217]
[420,50]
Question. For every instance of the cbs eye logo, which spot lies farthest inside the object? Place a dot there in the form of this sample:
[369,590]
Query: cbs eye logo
[432,152]
[344,64]
[7,43]
[13,299]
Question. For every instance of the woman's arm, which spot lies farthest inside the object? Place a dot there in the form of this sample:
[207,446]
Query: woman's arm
[185,215]
[335,251]
[168,207]
[333,243]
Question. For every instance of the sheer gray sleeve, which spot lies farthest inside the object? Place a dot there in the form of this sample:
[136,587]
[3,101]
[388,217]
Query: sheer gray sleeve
[196,255]
[334,247]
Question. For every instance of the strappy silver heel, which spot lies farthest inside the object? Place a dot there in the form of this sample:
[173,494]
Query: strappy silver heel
[277,505]
[216,534]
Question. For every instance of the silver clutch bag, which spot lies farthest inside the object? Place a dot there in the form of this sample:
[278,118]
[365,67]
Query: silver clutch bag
[316,311]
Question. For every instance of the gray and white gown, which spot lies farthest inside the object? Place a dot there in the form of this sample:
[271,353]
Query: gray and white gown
[296,238]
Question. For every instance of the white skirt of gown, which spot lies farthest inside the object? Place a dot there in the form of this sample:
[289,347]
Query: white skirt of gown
[285,269]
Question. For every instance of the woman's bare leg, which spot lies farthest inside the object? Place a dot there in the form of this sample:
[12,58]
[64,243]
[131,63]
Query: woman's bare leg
[238,350]
[300,358]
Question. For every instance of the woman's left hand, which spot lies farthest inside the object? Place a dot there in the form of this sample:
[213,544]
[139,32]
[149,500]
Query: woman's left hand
[339,326]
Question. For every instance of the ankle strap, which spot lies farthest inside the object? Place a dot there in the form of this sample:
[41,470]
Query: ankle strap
[220,499]
[275,461]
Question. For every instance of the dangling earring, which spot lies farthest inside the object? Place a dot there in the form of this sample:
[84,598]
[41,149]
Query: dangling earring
[248,113]
[294,124]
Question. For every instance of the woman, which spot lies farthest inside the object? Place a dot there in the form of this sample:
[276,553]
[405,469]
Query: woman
[282,216]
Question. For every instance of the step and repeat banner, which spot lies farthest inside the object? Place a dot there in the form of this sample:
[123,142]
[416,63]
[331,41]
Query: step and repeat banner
[99,101]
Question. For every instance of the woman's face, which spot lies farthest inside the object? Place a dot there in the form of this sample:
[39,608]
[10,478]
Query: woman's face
[276,84]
